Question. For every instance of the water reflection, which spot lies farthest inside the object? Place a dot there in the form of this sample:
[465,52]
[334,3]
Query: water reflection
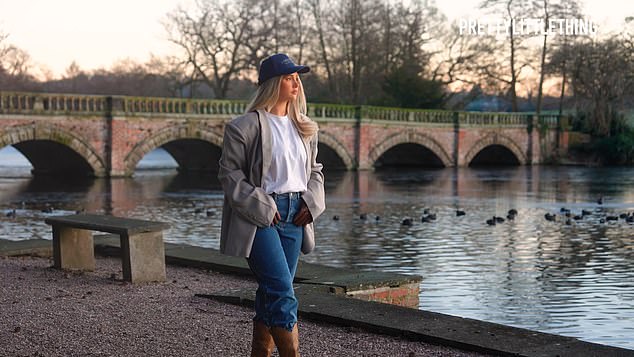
[568,279]
[529,272]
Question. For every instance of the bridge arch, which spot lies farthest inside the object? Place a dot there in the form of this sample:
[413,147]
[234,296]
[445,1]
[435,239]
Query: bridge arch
[495,139]
[194,135]
[333,143]
[41,142]
[410,137]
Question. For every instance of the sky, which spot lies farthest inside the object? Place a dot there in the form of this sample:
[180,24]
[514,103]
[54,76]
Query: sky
[95,34]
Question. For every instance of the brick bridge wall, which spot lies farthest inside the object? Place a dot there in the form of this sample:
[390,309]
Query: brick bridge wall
[112,134]
[454,146]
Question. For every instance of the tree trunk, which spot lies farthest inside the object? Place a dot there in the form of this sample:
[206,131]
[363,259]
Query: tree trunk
[543,62]
[513,74]
[563,89]
[354,45]
[322,44]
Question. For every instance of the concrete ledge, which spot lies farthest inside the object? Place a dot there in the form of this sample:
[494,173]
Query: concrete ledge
[317,303]
[389,288]
[322,294]
[37,247]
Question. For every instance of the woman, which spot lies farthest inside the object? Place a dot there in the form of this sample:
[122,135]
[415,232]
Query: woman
[274,189]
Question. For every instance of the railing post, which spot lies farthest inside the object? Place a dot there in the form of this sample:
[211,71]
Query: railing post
[532,122]
[108,112]
[357,136]
[456,137]
[38,103]
[558,133]
[115,104]
[529,123]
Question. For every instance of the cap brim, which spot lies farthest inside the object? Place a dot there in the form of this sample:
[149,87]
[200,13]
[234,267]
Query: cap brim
[298,69]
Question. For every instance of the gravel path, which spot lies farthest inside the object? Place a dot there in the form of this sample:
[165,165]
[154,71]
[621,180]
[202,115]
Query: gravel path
[47,312]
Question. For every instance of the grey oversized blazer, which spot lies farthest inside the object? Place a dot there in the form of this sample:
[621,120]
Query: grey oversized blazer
[246,154]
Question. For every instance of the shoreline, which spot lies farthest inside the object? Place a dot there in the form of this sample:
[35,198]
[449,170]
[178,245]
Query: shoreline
[319,303]
[50,312]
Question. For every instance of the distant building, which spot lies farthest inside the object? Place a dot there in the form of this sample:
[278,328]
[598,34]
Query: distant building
[490,103]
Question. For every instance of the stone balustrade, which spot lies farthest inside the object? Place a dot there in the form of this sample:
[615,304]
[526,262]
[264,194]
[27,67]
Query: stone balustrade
[27,103]
[322,111]
[500,119]
[152,105]
[551,121]
[408,115]
[142,105]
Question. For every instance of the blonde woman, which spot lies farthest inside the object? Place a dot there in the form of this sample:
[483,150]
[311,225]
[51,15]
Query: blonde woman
[274,189]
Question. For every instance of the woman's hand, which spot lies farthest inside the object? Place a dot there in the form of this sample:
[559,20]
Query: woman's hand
[276,218]
[303,217]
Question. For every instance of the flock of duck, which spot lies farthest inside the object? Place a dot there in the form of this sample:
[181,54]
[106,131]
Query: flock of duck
[565,215]
[428,217]
[568,217]
[48,209]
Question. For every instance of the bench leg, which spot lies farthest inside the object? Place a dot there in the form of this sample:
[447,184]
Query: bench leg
[143,257]
[73,249]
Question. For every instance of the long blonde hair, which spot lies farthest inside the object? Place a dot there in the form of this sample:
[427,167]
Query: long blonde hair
[266,97]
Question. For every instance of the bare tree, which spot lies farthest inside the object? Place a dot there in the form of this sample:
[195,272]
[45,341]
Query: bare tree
[366,40]
[175,72]
[73,73]
[546,17]
[218,39]
[5,48]
[412,29]
[453,62]
[554,9]
[15,66]
[602,74]
[300,27]
[354,38]
[224,41]
[518,58]
[351,23]
[14,61]
[318,12]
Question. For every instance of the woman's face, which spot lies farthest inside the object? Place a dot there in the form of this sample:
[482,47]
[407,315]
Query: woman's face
[289,87]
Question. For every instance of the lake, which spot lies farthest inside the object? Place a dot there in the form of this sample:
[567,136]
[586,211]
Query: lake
[573,277]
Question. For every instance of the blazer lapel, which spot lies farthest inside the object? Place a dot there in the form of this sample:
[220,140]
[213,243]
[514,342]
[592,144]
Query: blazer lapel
[266,140]
[309,157]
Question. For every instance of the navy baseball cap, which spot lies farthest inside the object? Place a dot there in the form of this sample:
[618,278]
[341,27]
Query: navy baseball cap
[277,65]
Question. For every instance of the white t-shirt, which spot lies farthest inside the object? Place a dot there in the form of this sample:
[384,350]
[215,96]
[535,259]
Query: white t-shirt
[287,172]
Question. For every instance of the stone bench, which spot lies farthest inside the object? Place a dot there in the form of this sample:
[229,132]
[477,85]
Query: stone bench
[142,249]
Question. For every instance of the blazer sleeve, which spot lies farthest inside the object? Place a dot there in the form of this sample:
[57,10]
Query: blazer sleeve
[249,201]
[315,196]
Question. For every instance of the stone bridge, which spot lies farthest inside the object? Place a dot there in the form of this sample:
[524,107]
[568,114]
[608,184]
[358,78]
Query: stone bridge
[109,135]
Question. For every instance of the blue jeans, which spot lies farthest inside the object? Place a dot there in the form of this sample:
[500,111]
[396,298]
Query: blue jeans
[273,261]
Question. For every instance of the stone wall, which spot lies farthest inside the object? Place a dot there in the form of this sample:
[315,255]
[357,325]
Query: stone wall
[402,295]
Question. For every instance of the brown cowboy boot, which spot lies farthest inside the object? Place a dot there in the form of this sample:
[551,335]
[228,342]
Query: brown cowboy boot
[262,345]
[287,342]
